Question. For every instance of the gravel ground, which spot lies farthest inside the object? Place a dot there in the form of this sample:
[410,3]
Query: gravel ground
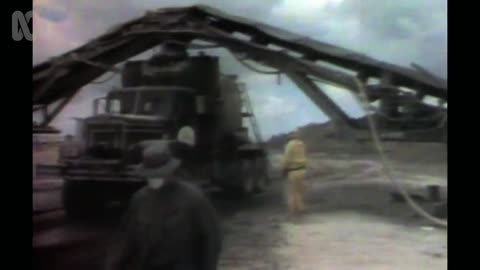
[351,222]
[355,227]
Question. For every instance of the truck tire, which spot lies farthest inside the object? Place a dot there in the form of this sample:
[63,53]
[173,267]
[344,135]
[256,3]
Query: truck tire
[80,200]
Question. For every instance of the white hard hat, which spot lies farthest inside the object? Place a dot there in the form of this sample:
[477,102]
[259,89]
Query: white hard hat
[186,135]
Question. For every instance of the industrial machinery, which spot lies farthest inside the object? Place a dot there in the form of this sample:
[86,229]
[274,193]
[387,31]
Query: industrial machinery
[148,104]
[158,97]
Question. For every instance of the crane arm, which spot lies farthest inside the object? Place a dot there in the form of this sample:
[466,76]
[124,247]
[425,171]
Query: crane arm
[61,77]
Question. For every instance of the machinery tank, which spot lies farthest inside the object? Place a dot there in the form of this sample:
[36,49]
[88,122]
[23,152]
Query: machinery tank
[215,120]
[231,118]
[200,72]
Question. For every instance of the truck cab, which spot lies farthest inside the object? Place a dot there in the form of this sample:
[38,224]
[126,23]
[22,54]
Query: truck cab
[130,115]
[156,101]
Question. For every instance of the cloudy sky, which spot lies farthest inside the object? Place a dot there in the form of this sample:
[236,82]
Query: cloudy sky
[400,32]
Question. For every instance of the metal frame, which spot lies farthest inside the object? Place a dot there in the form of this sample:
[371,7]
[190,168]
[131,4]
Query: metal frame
[64,75]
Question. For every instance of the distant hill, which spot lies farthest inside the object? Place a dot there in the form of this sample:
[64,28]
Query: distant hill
[323,137]
[330,137]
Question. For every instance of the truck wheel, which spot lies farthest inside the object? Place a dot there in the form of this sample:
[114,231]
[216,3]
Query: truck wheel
[79,201]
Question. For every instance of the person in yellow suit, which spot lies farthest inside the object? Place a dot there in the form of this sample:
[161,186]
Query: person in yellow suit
[294,165]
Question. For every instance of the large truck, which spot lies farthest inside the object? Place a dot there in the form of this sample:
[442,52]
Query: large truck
[159,97]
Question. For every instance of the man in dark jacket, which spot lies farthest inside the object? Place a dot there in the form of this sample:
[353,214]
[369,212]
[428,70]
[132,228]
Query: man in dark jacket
[169,224]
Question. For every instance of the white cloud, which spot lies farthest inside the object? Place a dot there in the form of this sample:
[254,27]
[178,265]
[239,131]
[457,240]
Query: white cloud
[304,9]
[258,81]
[81,106]
[347,101]
[275,107]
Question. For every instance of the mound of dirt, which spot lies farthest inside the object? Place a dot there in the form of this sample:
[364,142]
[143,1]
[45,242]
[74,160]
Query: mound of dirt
[332,139]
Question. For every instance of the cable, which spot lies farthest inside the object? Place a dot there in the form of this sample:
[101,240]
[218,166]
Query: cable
[387,168]
[94,64]
[104,80]
[254,69]
[248,66]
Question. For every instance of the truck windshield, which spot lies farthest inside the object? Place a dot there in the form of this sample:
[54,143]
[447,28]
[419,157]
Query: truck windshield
[122,102]
[154,103]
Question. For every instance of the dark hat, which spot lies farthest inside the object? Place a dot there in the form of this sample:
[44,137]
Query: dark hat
[158,161]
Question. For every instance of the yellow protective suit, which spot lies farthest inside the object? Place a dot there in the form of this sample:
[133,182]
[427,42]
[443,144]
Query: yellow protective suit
[294,167]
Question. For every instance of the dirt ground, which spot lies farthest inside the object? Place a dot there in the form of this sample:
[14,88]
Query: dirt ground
[351,222]
[333,234]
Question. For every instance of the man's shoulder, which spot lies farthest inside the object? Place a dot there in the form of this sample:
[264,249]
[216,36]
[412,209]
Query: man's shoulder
[181,189]
[194,193]
[190,188]
[139,194]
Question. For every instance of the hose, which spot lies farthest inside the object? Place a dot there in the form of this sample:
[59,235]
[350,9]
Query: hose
[104,80]
[387,167]
[252,68]
[95,64]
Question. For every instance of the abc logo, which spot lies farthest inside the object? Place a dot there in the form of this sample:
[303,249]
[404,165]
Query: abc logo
[20,28]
